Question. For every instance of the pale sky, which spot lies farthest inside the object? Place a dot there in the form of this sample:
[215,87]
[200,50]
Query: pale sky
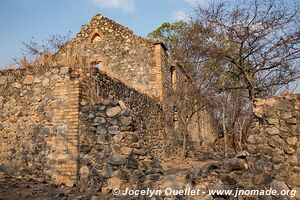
[20,20]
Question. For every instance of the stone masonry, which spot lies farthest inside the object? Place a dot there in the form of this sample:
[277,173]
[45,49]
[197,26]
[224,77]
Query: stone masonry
[44,107]
[39,123]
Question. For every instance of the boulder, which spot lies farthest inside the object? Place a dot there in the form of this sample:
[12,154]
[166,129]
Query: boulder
[262,179]
[113,111]
[117,159]
[125,121]
[132,163]
[234,164]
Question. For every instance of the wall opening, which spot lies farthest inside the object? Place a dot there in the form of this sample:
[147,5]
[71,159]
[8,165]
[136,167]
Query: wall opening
[173,77]
[175,117]
[97,64]
[96,38]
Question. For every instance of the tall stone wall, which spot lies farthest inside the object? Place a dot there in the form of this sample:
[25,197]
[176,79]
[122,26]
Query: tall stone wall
[136,61]
[39,123]
[147,113]
[112,154]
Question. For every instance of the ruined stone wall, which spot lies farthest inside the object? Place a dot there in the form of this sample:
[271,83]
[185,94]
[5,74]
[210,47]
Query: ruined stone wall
[134,60]
[39,123]
[148,115]
[112,155]
[270,160]
[275,139]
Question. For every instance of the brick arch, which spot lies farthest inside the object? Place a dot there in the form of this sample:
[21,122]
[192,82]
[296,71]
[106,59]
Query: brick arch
[96,34]
[95,59]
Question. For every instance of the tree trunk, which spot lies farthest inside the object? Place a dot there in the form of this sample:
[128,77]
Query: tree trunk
[224,131]
[184,145]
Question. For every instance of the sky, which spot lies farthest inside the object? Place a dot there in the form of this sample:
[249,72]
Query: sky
[22,20]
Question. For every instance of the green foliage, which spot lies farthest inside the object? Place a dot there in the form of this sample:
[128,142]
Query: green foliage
[170,34]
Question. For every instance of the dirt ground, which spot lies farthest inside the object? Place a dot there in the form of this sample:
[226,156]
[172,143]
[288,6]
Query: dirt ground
[12,188]
[22,189]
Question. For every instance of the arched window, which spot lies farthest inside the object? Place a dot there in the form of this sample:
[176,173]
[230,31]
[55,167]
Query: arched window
[97,64]
[96,37]
[97,61]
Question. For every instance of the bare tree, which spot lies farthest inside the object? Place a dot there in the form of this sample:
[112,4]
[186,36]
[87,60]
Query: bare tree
[40,52]
[257,42]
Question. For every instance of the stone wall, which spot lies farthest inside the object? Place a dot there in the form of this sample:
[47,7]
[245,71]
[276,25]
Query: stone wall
[275,138]
[147,113]
[270,159]
[39,123]
[112,155]
[136,61]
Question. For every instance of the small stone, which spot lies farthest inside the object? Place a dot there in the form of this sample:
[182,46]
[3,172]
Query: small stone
[101,130]
[83,103]
[286,115]
[294,180]
[135,145]
[292,121]
[84,172]
[279,186]
[262,179]
[91,116]
[85,148]
[272,121]
[55,78]
[137,174]
[28,79]
[242,154]
[153,177]
[116,159]
[228,179]
[277,141]
[114,111]
[290,151]
[118,137]
[273,131]
[112,130]
[234,164]
[124,175]
[95,198]
[85,160]
[292,141]
[126,121]
[101,139]
[132,163]
[113,121]
[3,80]
[154,171]
[64,70]
[114,182]
[107,171]
[284,105]
[116,148]
[126,151]
[131,137]
[16,85]
[45,82]
[141,152]
[264,166]
[255,139]
[13,119]
[55,70]
[37,80]
[99,120]
[122,104]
